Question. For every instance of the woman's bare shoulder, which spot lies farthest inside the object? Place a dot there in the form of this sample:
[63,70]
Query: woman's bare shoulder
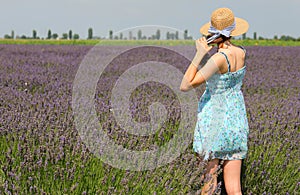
[219,59]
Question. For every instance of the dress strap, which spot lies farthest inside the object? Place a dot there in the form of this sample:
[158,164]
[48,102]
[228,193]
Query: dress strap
[243,48]
[226,60]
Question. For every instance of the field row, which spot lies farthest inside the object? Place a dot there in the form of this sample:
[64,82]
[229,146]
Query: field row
[43,152]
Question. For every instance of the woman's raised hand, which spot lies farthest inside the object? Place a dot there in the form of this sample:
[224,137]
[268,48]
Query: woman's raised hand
[202,46]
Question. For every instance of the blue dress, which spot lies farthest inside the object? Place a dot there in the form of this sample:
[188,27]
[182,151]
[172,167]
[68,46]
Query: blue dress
[222,127]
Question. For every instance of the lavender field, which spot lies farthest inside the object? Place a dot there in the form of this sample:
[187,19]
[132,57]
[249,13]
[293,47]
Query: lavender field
[42,152]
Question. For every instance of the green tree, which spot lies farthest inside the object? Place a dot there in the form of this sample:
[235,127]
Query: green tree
[121,36]
[6,36]
[176,35]
[111,34]
[54,36]
[64,36]
[76,36]
[12,34]
[90,33]
[34,33]
[173,36]
[290,38]
[158,34]
[254,35]
[70,34]
[244,36]
[185,35]
[49,34]
[275,37]
[168,35]
[139,34]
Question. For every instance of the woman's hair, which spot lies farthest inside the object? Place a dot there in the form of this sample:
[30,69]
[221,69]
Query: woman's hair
[220,39]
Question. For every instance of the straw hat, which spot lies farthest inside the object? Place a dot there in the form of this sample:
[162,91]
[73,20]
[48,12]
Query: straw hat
[222,18]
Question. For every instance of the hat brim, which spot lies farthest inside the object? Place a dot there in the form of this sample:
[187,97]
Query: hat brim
[241,27]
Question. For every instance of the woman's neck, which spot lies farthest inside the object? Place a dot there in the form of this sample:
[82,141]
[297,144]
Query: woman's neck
[224,45]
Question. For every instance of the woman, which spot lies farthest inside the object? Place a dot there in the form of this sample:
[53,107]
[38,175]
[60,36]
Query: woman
[221,131]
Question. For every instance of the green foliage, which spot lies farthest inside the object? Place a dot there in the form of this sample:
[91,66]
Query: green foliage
[139,35]
[55,36]
[70,34]
[158,34]
[254,35]
[287,38]
[34,34]
[90,33]
[185,36]
[49,34]
[76,36]
[6,36]
[111,34]
[64,36]
[244,36]
[12,36]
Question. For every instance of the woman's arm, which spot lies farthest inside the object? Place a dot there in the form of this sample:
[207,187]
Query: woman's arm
[192,77]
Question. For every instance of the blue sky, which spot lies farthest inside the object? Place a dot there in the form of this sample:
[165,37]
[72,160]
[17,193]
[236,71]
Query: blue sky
[267,17]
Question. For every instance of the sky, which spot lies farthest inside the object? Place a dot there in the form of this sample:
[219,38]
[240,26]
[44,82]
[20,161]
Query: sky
[266,17]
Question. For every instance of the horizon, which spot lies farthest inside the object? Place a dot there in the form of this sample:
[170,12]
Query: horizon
[132,34]
[77,15]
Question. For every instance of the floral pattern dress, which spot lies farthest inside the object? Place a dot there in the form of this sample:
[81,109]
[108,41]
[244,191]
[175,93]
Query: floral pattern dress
[222,127]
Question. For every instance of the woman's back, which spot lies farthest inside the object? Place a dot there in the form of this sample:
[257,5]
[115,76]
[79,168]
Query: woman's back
[236,57]
[228,79]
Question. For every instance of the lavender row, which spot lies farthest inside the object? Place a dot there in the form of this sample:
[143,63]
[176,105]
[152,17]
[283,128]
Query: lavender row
[41,147]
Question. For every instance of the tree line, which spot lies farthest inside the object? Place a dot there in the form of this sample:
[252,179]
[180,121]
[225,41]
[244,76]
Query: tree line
[275,37]
[155,36]
[69,35]
[138,36]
